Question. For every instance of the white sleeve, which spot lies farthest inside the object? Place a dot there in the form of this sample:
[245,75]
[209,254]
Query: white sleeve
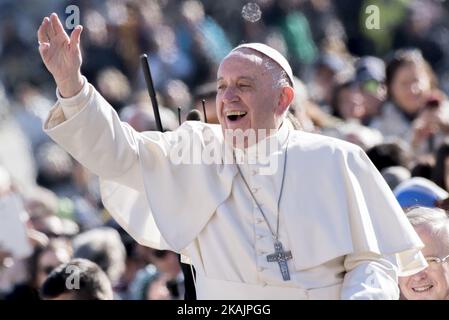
[88,128]
[71,106]
[370,277]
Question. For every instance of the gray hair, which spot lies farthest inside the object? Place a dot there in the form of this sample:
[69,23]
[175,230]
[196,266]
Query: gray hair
[434,219]
[280,77]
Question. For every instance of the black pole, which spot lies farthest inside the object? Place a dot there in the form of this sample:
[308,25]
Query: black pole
[151,91]
[189,284]
[203,102]
[179,116]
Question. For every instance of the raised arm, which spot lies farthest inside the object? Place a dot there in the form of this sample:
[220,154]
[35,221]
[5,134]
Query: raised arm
[94,135]
[61,54]
[138,176]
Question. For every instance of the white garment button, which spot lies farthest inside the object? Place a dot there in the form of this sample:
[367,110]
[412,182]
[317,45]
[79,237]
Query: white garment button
[261,252]
[255,190]
[259,220]
[258,237]
[260,269]
[254,172]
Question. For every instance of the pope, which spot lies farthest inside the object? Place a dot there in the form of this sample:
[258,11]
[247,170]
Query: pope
[283,215]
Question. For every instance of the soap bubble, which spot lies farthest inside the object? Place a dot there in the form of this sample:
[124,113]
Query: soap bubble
[251,12]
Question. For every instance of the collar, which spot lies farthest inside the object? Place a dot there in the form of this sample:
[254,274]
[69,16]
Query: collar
[277,140]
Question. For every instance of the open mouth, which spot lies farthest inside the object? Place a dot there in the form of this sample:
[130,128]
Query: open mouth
[422,289]
[235,115]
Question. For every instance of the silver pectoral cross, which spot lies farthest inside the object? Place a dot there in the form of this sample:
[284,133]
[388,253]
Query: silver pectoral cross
[281,258]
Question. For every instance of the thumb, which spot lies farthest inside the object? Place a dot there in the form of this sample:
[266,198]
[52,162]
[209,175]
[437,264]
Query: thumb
[76,36]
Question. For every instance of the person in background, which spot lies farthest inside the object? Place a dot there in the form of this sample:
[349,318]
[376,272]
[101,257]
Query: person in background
[167,265]
[78,279]
[104,247]
[415,110]
[348,103]
[390,154]
[432,283]
[149,284]
[395,175]
[370,77]
[43,260]
[418,191]
[440,172]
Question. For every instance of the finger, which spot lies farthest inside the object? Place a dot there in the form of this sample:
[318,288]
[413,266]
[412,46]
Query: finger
[51,29]
[46,28]
[57,25]
[76,36]
[41,34]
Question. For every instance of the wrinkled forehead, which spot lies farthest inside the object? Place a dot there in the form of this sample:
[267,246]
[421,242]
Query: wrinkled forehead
[243,56]
[246,62]
[251,54]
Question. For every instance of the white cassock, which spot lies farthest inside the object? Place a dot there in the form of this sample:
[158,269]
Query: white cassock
[348,236]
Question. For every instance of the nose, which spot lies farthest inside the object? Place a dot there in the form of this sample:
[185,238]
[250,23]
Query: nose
[420,275]
[229,95]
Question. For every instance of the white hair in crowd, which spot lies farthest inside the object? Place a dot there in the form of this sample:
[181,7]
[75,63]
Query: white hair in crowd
[434,219]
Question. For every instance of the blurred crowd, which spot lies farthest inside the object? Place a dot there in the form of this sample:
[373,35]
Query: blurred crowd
[384,89]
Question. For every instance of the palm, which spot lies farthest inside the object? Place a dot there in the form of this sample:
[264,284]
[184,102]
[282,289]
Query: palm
[60,60]
[60,53]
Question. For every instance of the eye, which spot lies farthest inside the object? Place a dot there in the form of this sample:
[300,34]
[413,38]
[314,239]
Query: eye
[432,260]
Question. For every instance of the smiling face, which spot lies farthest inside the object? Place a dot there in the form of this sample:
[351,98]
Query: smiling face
[248,94]
[351,104]
[433,282]
[410,87]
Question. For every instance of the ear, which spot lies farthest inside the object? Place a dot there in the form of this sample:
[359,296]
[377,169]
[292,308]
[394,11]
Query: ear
[285,99]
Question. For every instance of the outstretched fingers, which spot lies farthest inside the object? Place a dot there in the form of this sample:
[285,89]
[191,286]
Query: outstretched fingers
[56,26]
[42,35]
[75,36]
